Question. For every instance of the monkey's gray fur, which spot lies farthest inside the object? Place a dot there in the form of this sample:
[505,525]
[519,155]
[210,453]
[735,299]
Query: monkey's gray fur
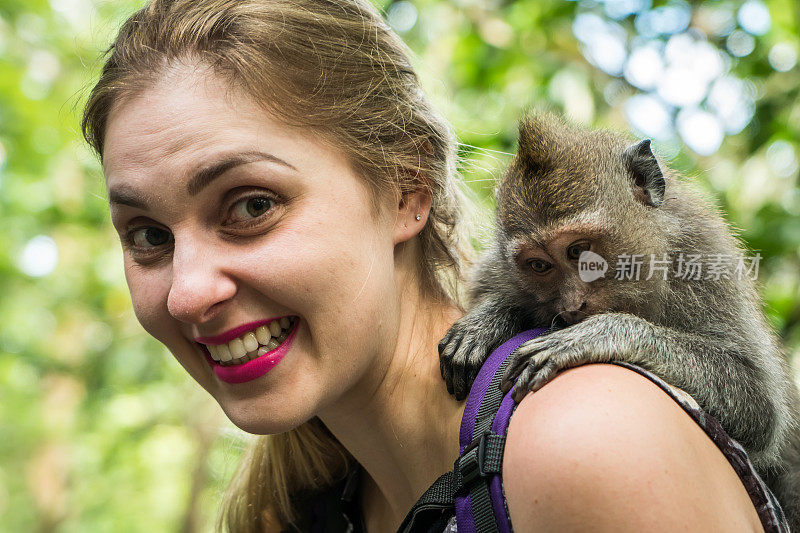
[708,336]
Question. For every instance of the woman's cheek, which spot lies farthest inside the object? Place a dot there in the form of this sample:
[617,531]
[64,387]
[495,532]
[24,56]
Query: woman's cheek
[148,298]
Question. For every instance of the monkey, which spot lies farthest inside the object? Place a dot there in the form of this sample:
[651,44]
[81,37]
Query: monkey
[574,198]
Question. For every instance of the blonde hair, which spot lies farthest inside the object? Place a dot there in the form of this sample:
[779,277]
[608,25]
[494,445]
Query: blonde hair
[335,68]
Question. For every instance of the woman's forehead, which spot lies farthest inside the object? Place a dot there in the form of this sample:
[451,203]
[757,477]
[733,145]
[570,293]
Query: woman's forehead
[183,128]
[181,123]
[182,134]
[178,116]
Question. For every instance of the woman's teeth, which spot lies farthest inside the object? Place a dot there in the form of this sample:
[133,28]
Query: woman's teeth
[252,344]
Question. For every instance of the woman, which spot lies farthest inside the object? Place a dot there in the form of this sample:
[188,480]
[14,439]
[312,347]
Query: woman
[284,193]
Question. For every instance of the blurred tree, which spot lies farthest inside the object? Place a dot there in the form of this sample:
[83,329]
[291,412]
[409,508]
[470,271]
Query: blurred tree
[102,431]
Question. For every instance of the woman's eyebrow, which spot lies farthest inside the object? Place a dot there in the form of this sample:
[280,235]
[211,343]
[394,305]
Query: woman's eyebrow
[209,173]
[125,195]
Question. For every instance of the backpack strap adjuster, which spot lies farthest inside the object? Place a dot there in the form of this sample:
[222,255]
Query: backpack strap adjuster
[481,459]
[470,465]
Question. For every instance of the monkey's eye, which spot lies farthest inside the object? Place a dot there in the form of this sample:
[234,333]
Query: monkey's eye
[575,250]
[540,266]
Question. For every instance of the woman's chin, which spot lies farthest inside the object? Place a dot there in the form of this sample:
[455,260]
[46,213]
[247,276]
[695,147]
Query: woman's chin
[259,422]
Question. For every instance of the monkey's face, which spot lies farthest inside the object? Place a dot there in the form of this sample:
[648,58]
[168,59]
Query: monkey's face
[579,270]
[549,269]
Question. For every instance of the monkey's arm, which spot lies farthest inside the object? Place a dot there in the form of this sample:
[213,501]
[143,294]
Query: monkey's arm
[471,339]
[721,374]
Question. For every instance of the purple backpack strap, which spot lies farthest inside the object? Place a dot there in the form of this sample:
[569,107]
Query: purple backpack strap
[482,437]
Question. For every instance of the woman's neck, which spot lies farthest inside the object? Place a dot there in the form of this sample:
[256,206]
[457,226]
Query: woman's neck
[402,425]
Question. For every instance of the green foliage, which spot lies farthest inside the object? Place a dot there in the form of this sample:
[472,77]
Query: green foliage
[100,429]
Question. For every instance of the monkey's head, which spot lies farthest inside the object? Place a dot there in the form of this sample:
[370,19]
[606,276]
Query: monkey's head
[578,209]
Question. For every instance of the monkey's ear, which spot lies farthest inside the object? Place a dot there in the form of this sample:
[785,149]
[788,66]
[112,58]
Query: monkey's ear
[536,140]
[648,179]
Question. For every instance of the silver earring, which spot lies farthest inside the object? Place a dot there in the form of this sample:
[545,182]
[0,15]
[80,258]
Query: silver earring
[418,217]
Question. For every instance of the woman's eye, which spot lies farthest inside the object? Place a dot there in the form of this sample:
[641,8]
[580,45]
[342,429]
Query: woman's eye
[250,208]
[575,250]
[149,237]
[539,266]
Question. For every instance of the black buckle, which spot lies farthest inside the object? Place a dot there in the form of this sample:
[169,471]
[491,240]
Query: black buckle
[470,465]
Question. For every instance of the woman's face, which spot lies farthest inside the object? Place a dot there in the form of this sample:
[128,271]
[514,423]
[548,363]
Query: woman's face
[230,220]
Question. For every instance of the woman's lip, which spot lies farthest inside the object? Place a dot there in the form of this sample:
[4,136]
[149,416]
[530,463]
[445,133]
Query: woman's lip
[255,368]
[238,331]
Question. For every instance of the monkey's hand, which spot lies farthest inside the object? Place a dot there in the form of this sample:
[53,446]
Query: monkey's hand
[470,341]
[462,351]
[598,339]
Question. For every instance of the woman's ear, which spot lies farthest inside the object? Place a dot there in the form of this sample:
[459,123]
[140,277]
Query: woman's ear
[412,214]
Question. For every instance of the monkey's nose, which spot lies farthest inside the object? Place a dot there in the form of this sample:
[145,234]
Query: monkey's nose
[576,315]
[559,323]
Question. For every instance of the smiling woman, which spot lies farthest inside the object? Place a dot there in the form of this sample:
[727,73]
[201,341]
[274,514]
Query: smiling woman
[218,269]
[291,226]
[247,195]
[222,238]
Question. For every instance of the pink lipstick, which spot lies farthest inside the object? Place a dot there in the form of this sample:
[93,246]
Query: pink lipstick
[252,369]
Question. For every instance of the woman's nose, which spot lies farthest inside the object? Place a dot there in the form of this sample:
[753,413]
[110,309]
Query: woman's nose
[200,286]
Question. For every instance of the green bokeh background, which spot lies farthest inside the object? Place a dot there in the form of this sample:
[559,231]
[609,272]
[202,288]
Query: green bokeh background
[100,429]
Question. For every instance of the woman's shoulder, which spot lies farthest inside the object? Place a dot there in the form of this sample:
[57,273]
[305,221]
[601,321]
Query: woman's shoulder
[603,445]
